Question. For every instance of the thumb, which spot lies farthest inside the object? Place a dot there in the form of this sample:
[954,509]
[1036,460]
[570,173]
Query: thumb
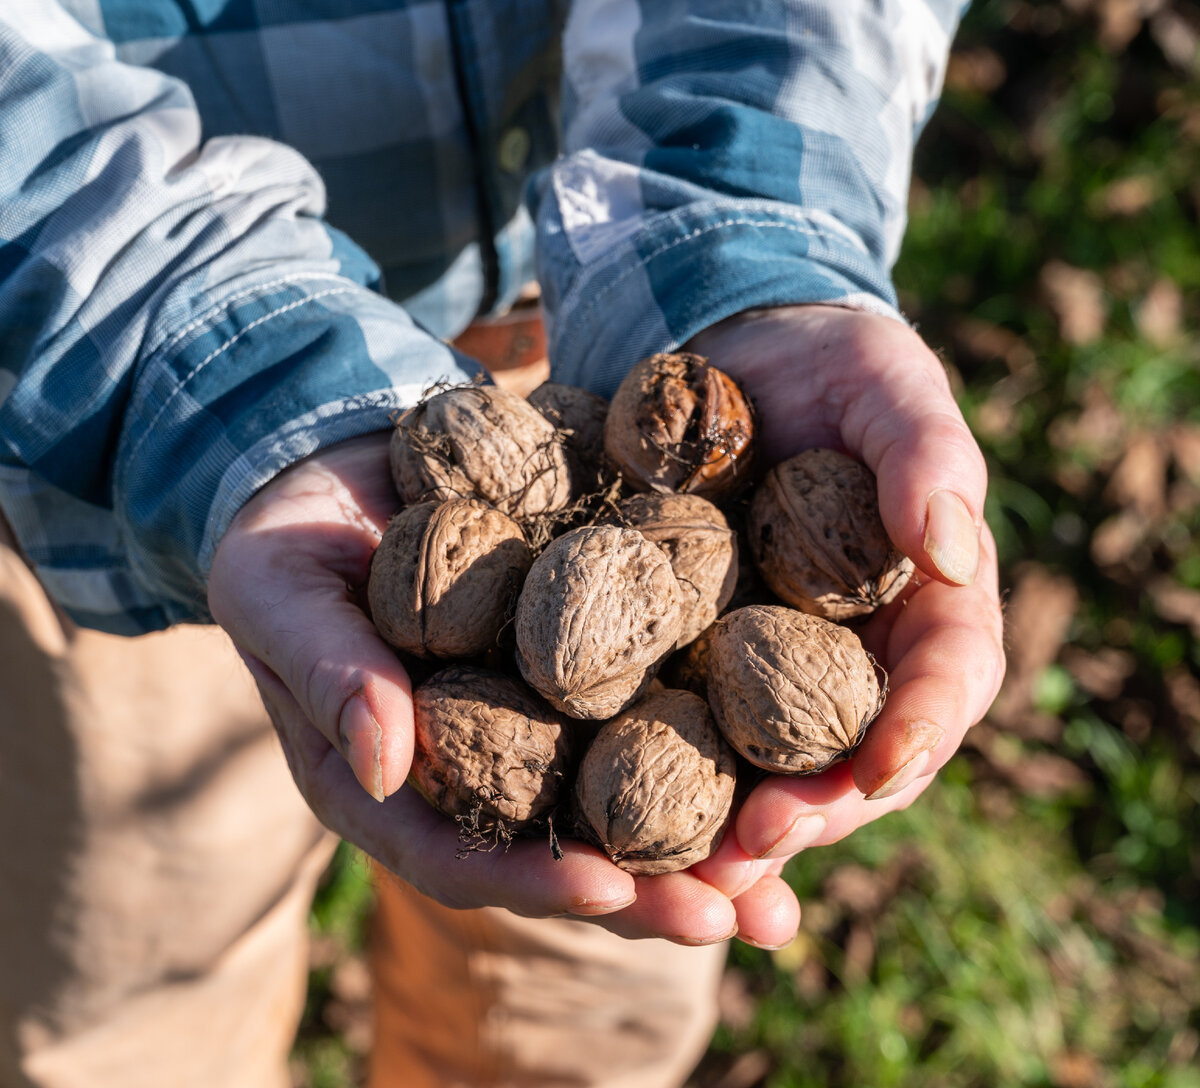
[281,584]
[931,475]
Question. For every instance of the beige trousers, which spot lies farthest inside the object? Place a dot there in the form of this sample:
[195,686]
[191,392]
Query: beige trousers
[156,869]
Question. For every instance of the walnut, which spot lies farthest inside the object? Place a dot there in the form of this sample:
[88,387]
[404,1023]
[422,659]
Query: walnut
[816,535]
[676,423]
[599,611]
[656,784]
[700,545]
[445,578]
[792,692]
[488,752]
[579,416]
[483,442]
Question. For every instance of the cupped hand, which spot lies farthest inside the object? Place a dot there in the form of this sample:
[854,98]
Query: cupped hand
[287,585]
[824,376]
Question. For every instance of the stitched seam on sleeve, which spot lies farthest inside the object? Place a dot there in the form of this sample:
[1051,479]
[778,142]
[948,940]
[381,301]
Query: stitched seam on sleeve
[225,303]
[216,353]
[696,233]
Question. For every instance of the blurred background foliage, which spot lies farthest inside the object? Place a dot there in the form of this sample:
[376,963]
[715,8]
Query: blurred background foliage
[1034,920]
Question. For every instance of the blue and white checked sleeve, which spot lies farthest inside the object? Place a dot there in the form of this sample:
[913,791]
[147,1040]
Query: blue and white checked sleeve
[177,323]
[727,154]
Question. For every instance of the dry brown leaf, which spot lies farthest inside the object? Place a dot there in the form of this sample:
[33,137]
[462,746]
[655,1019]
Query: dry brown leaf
[1076,297]
[1178,37]
[1184,441]
[1119,540]
[859,952]
[979,71]
[1045,775]
[1075,1069]
[1139,481]
[987,340]
[1159,316]
[736,1004]
[1183,690]
[1175,603]
[1102,673]
[1127,196]
[1096,432]
[1038,616]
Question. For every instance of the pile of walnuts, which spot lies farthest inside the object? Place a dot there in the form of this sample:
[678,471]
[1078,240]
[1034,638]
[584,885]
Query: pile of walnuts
[609,611]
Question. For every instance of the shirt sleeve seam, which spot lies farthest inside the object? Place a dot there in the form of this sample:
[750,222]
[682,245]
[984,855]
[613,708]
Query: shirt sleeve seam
[219,351]
[693,234]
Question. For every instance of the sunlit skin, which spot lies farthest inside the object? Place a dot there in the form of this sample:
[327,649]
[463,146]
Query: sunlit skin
[287,584]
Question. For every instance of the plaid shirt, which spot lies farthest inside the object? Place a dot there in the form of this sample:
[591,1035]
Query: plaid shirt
[233,232]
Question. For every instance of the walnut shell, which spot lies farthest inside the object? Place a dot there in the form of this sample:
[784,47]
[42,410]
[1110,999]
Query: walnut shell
[488,752]
[445,578]
[599,611]
[677,423]
[483,442]
[700,545]
[579,416]
[792,692]
[816,536]
[655,786]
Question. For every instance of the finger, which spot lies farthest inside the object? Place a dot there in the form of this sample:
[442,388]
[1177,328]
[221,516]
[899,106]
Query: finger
[408,837]
[284,583]
[678,907]
[351,687]
[901,417]
[729,868]
[768,913]
[947,645]
[784,815]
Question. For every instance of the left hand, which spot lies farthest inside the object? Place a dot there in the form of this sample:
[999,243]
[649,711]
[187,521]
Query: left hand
[868,385]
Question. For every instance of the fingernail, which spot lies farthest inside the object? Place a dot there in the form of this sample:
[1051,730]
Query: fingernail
[754,873]
[952,537]
[362,741]
[697,942]
[803,831]
[906,776]
[588,908]
[765,947]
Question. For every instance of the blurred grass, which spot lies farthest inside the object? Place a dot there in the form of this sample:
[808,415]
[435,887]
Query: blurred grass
[1035,919]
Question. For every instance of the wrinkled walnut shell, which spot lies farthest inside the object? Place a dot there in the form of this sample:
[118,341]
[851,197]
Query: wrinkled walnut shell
[445,578]
[792,692]
[599,611]
[483,442]
[700,545]
[488,752]
[656,784]
[676,423]
[579,416]
[817,538]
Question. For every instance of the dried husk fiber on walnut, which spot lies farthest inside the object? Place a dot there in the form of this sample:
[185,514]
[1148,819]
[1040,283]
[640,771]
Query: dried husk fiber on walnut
[792,692]
[483,442]
[655,786]
[488,752]
[445,578]
[700,545]
[599,611]
[677,423]
[817,538]
[579,416]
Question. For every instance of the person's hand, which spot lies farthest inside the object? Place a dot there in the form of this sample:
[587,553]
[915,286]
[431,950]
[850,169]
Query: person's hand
[287,584]
[833,377]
